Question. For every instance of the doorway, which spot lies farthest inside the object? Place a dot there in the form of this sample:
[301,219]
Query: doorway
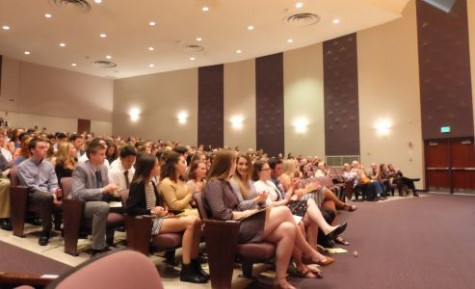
[450,165]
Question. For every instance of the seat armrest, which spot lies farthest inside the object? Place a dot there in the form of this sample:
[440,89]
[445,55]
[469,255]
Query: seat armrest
[72,216]
[31,279]
[221,244]
[139,233]
[18,205]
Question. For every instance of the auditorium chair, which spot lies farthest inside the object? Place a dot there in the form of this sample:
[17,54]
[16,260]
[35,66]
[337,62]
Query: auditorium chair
[21,207]
[139,238]
[222,248]
[76,225]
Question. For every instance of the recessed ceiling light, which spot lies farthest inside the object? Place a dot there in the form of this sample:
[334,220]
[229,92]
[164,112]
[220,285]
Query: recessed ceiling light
[27,52]
[108,57]
[62,44]
[102,35]
[298,5]
[74,64]
[152,23]
[6,27]
[250,27]
[290,40]
[150,48]
[205,9]
[98,1]
[336,21]
[48,15]
[199,39]
[192,58]
[151,65]
[239,51]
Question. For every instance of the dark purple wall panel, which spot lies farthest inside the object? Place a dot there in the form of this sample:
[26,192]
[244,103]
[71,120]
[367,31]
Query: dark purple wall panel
[270,104]
[340,74]
[444,68]
[211,106]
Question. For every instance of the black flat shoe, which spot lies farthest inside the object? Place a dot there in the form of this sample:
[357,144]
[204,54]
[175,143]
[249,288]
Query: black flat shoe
[95,252]
[335,233]
[44,239]
[6,225]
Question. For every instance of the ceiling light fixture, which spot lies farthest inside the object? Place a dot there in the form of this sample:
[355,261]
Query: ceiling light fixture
[250,27]
[336,21]
[205,9]
[102,35]
[74,64]
[150,48]
[62,44]
[199,39]
[290,40]
[239,51]
[6,27]
[192,58]
[152,23]
[27,52]
[182,117]
[108,57]
[48,15]
[298,5]
[98,1]
[151,65]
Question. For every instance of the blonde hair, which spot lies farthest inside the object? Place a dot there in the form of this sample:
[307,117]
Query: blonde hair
[63,156]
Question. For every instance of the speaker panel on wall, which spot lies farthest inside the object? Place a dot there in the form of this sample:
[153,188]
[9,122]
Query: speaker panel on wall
[444,5]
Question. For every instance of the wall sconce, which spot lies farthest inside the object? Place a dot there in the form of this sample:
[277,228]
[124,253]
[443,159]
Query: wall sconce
[182,117]
[134,114]
[383,127]
[301,125]
[236,121]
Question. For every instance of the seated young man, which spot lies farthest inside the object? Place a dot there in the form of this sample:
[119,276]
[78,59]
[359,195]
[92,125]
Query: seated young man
[91,184]
[38,175]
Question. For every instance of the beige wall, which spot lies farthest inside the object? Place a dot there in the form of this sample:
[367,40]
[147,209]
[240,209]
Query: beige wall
[389,89]
[240,100]
[303,98]
[160,97]
[471,35]
[45,91]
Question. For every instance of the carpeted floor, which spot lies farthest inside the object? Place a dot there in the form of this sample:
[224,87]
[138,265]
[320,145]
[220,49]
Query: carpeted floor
[426,242]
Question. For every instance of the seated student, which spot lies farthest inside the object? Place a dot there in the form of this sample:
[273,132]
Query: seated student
[65,160]
[279,227]
[122,173]
[176,194]
[144,199]
[4,189]
[196,176]
[401,180]
[38,175]
[91,184]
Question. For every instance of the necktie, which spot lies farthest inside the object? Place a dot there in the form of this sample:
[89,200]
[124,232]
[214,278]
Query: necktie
[98,179]
[127,182]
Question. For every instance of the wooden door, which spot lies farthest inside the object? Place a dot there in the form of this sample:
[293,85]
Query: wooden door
[450,165]
[84,125]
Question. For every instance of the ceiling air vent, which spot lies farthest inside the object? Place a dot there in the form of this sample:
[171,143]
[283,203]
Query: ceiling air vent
[193,48]
[303,19]
[104,64]
[81,4]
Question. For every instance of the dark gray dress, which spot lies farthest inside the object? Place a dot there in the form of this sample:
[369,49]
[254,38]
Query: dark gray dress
[221,201]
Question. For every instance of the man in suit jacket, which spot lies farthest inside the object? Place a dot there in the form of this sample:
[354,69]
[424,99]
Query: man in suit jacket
[91,184]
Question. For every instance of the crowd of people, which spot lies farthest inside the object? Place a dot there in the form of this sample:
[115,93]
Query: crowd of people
[289,205]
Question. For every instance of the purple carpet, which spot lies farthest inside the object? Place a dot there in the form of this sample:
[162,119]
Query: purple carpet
[415,243]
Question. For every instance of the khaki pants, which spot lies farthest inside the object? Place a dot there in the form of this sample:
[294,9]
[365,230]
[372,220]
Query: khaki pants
[4,198]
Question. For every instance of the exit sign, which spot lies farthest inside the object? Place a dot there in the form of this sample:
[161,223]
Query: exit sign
[445,129]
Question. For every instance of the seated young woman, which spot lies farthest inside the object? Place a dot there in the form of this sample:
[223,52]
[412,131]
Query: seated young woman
[275,225]
[307,209]
[197,176]
[176,193]
[144,199]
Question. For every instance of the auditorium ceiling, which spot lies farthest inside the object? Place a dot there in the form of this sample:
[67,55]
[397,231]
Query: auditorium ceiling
[124,38]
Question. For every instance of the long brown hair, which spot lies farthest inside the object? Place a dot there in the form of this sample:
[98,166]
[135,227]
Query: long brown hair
[243,181]
[222,165]
[171,158]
